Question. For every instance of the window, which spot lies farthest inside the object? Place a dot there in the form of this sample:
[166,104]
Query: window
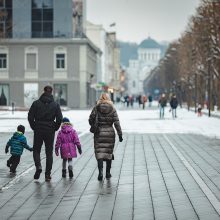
[42,3]
[4,94]
[3,61]
[8,3]
[2,27]
[60,61]
[60,94]
[42,18]
[31,61]
[2,3]
[6,18]
[47,3]
[30,93]
[47,15]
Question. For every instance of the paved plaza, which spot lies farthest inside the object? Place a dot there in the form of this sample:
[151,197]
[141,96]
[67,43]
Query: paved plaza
[154,176]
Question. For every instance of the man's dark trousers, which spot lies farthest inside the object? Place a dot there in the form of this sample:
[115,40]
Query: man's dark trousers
[48,139]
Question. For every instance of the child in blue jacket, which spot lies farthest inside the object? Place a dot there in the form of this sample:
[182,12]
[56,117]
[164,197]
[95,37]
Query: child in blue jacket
[17,143]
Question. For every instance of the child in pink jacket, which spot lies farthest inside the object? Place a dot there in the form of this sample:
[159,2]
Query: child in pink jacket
[67,141]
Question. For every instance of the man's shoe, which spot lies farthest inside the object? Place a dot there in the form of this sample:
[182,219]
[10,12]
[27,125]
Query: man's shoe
[108,175]
[12,171]
[47,178]
[37,174]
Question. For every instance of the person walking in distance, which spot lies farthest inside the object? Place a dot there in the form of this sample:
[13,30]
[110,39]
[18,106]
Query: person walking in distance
[173,105]
[67,141]
[104,115]
[45,118]
[162,105]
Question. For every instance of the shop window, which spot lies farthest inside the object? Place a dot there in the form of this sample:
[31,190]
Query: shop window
[60,94]
[4,94]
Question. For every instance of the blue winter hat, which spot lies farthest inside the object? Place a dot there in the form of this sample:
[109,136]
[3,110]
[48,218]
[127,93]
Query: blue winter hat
[65,119]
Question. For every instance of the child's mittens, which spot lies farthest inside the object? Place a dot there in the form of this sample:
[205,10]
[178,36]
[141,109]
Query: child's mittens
[57,151]
[79,149]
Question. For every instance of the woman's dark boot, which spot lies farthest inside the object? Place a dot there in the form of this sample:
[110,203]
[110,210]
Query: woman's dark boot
[100,166]
[64,173]
[100,176]
[108,168]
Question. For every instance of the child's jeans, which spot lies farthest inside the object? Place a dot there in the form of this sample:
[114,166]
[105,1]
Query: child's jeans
[13,161]
[70,163]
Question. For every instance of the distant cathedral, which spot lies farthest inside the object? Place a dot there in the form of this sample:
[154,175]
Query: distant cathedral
[149,54]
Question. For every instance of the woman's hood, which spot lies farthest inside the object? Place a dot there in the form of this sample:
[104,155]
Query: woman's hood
[105,107]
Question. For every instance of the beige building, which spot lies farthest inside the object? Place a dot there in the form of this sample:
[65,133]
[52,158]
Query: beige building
[108,71]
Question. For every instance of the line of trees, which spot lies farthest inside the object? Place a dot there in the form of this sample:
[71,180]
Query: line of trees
[191,65]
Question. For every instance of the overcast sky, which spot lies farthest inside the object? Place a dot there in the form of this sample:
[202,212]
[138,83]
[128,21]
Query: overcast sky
[137,19]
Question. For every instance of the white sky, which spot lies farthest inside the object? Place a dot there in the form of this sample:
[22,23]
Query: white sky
[140,121]
[136,19]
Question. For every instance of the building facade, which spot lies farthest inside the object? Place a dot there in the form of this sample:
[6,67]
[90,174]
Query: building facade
[108,72]
[149,54]
[44,46]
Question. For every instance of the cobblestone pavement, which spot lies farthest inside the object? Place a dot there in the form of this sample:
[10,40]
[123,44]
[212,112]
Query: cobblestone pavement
[154,176]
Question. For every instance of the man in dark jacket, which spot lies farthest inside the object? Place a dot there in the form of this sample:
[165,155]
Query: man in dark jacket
[45,118]
[173,105]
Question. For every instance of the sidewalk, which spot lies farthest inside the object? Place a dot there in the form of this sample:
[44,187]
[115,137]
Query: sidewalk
[154,176]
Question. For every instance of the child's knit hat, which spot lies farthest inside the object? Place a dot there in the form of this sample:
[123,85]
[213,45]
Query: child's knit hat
[65,119]
[21,128]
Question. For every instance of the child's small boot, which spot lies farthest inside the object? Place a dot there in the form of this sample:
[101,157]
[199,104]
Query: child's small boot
[64,173]
[70,169]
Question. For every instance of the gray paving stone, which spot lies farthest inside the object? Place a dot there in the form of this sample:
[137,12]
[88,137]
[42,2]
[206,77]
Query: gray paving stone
[149,181]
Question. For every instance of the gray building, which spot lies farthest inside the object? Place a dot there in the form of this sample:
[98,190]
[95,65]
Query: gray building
[43,43]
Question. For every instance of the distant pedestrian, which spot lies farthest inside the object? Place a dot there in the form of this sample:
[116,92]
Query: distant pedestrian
[132,101]
[103,116]
[150,99]
[17,143]
[144,100]
[67,142]
[173,105]
[45,118]
[199,110]
[139,98]
[162,105]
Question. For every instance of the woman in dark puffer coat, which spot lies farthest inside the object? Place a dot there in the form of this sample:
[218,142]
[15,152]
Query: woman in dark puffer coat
[104,137]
